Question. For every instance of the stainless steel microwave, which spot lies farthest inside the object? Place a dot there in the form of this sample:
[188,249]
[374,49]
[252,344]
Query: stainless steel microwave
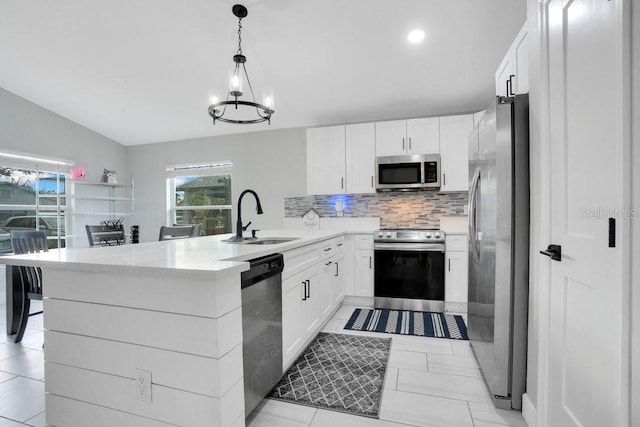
[416,172]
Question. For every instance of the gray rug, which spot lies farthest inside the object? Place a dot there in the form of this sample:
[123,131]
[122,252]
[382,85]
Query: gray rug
[339,372]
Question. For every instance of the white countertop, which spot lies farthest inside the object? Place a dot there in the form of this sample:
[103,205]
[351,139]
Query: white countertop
[205,257]
[454,224]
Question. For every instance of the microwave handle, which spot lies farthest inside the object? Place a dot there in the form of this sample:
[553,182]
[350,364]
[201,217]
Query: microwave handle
[403,143]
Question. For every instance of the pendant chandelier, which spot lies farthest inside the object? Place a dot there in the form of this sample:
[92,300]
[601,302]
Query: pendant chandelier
[218,109]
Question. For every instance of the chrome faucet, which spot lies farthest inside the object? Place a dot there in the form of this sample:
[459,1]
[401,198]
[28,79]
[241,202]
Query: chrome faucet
[239,228]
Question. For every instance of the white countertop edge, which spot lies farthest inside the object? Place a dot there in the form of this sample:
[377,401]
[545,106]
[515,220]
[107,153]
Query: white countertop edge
[203,257]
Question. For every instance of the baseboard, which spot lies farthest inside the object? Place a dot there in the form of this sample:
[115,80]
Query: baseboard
[528,411]
[359,301]
[455,307]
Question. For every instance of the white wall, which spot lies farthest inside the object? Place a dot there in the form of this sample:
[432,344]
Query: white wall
[28,128]
[272,163]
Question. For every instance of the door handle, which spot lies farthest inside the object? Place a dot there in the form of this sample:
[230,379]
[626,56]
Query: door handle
[342,182]
[305,290]
[409,143]
[510,91]
[553,251]
[308,288]
[403,143]
[337,271]
[369,262]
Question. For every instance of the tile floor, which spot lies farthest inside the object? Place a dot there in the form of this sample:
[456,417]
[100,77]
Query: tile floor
[430,382]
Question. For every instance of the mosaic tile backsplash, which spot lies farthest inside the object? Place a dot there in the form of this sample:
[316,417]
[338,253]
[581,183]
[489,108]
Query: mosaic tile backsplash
[395,209]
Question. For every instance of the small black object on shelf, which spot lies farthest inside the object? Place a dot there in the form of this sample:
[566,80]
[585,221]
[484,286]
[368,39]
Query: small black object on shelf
[135,234]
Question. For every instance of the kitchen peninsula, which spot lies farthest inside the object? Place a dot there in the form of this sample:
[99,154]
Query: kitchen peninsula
[169,311]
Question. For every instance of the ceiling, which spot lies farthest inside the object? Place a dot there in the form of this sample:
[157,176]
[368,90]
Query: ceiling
[142,71]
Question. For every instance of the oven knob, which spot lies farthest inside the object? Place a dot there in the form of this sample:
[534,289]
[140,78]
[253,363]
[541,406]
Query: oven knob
[428,235]
[380,234]
[388,235]
[437,235]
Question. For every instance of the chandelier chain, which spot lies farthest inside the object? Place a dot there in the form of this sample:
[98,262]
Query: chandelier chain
[239,36]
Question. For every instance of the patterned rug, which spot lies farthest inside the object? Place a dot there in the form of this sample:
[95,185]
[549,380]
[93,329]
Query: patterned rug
[339,372]
[421,323]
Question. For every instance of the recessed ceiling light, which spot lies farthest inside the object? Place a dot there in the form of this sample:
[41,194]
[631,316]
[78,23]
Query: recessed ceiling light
[415,36]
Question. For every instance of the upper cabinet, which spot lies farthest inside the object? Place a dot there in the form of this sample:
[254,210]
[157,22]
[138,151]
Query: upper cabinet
[512,76]
[405,137]
[326,160]
[341,159]
[454,152]
[360,158]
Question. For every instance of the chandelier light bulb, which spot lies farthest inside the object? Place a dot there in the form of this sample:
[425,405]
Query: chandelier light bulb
[267,100]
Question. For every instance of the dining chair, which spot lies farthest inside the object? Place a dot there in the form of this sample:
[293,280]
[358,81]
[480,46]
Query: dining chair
[27,242]
[197,228]
[175,232]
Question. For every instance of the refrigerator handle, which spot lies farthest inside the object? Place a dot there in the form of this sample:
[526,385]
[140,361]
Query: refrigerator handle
[472,212]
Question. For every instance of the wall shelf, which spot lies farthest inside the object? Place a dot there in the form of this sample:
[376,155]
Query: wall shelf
[90,203]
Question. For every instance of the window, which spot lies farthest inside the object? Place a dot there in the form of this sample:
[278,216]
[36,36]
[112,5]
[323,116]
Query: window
[200,194]
[32,191]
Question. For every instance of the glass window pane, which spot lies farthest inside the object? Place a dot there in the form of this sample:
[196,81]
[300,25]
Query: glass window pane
[213,221]
[203,190]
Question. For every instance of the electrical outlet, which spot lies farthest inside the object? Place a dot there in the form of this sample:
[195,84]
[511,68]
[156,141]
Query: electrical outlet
[143,385]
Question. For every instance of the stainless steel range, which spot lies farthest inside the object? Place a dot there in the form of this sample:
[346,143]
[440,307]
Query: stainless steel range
[409,269]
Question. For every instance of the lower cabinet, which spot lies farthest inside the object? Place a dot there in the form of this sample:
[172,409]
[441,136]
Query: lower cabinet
[363,265]
[300,310]
[456,282]
[309,296]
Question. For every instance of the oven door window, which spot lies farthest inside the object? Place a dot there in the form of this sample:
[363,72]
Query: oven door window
[399,173]
[409,274]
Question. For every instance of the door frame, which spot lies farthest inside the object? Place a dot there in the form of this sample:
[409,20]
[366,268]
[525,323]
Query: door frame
[536,401]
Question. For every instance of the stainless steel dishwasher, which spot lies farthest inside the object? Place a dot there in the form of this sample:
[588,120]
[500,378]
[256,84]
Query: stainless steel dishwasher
[261,328]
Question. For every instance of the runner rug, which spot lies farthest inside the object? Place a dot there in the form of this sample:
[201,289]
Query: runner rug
[421,323]
[339,372]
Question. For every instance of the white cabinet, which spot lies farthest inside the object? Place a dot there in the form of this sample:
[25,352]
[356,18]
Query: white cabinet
[456,273]
[423,136]
[341,159]
[90,203]
[326,160]
[512,76]
[363,265]
[454,152]
[338,282]
[360,158]
[405,137]
[300,312]
[311,290]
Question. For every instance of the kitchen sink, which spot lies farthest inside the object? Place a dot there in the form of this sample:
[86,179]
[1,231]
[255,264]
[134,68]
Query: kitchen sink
[270,240]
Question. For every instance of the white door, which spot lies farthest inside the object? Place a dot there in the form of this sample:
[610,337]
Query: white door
[454,152]
[360,158]
[423,136]
[585,140]
[391,138]
[325,160]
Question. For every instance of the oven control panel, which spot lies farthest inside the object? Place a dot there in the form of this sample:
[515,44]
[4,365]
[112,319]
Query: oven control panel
[409,236]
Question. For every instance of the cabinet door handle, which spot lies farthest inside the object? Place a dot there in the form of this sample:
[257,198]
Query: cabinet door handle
[308,288]
[506,93]
[337,271]
[449,264]
[327,263]
[444,179]
[339,244]
[327,249]
[305,291]
[369,261]
[409,143]
[371,181]
[342,182]
[403,143]
[510,91]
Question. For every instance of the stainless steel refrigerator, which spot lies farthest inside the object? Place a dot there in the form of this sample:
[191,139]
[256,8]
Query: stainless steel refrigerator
[499,247]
